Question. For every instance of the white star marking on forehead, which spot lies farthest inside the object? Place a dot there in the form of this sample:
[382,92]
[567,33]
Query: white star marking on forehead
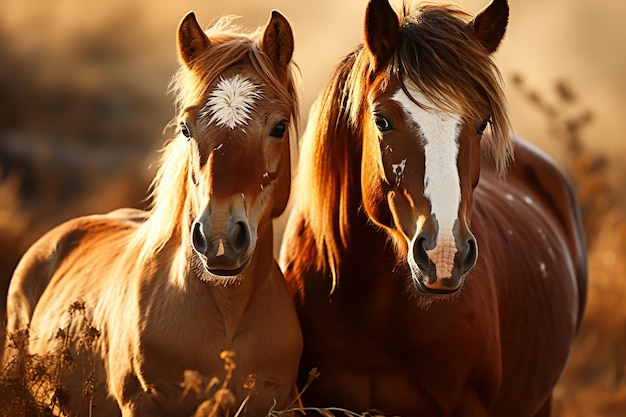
[232,101]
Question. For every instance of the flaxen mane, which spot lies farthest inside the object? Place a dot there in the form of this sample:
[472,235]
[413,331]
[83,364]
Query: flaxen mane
[168,213]
[438,53]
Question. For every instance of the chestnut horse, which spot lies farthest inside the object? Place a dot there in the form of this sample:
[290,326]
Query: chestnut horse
[171,288]
[420,290]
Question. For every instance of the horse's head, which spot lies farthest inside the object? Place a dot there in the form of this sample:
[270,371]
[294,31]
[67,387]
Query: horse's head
[431,91]
[238,102]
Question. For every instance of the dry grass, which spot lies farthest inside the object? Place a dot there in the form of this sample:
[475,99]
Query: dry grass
[31,384]
[594,382]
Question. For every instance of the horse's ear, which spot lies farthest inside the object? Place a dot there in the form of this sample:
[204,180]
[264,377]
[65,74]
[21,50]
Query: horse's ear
[490,24]
[277,41]
[382,31]
[192,40]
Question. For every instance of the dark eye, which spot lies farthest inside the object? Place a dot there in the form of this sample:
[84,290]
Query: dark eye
[483,126]
[279,130]
[184,129]
[382,123]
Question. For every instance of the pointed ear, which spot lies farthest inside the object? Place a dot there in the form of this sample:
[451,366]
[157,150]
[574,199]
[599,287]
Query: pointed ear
[277,41]
[192,40]
[490,24]
[382,31]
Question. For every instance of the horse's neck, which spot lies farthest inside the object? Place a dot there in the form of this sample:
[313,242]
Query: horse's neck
[367,244]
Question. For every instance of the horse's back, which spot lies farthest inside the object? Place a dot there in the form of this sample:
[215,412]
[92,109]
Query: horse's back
[56,250]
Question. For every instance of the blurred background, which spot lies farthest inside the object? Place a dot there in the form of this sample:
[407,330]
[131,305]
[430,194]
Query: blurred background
[83,109]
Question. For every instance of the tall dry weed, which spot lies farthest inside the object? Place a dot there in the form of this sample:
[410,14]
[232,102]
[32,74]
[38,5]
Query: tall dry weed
[31,384]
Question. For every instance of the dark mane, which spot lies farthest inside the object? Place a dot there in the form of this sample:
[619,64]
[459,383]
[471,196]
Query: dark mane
[440,55]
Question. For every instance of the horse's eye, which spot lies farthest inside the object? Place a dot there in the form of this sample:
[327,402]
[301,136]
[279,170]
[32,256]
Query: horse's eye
[382,123]
[483,126]
[279,130]
[184,129]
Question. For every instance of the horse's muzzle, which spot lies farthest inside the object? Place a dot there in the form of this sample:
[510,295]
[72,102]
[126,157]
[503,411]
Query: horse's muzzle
[223,254]
[441,268]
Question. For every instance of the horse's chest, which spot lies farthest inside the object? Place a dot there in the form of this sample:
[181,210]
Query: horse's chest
[208,340]
[395,355]
[197,342]
[243,358]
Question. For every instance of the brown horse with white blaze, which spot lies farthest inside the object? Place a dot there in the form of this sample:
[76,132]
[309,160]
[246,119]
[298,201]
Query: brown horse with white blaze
[171,288]
[432,274]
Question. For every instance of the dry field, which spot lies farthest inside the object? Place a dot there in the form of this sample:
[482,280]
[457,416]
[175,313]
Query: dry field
[83,107]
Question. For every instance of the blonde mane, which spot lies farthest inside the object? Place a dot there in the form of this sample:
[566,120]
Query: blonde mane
[440,55]
[171,192]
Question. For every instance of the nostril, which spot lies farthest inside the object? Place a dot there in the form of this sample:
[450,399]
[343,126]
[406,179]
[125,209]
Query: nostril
[198,240]
[240,237]
[419,253]
[471,255]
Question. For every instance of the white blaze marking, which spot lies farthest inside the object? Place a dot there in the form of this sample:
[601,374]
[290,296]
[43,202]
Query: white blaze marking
[232,101]
[441,177]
